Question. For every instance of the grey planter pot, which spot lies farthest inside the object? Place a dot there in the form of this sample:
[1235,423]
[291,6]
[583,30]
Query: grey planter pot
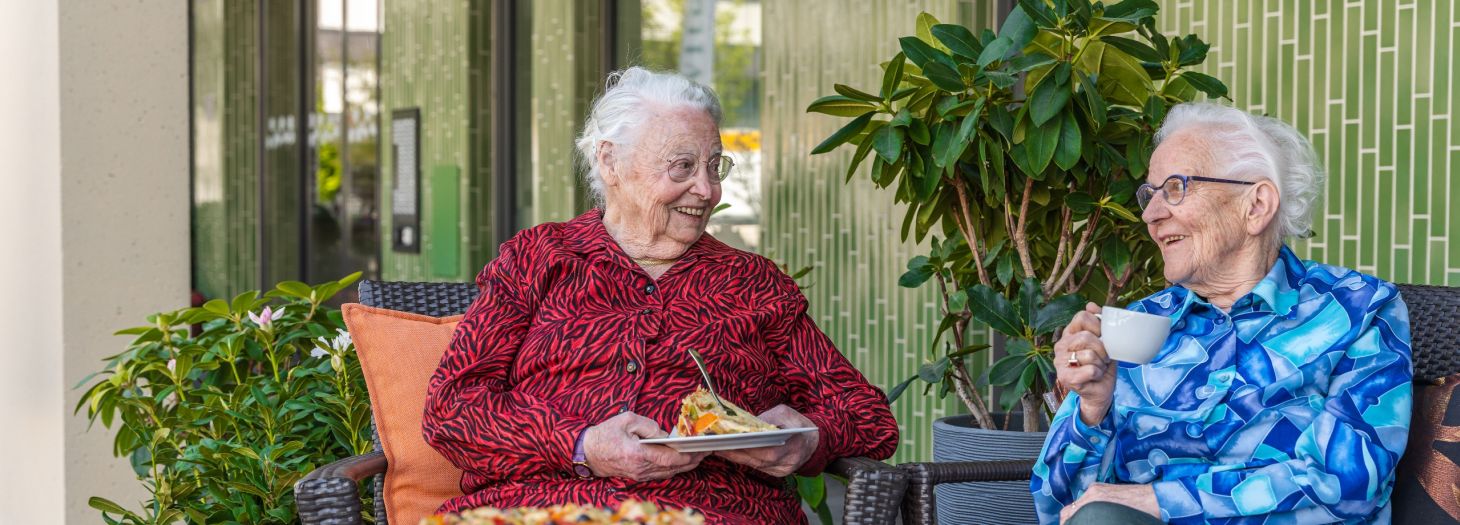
[1004,502]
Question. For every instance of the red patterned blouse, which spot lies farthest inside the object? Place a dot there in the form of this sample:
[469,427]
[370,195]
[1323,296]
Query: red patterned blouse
[569,332]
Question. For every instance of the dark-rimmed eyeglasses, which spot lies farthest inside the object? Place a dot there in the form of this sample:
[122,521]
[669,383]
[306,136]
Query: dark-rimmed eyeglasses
[1174,188]
[683,168]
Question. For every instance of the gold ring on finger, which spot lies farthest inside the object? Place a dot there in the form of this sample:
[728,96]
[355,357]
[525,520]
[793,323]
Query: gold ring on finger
[1074,360]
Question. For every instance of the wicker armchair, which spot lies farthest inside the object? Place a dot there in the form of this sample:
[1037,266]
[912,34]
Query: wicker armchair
[1434,312]
[330,494]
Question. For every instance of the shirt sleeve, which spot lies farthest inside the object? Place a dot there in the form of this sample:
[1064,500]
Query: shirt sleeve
[473,417]
[1343,463]
[1073,458]
[852,416]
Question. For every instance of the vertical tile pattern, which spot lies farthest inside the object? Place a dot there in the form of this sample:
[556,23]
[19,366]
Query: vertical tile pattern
[567,72]
[1370,84]
[848,232]
[425,63]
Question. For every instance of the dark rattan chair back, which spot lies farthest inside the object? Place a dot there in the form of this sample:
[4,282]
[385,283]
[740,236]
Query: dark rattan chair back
[433,299]
[1434,315]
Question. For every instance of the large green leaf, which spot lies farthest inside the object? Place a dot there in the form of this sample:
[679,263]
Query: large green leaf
[995,51]
[933,372]
[1018,28]
[862,150]
[1104,26]
[1067,154]
[1039,13]
[1094,102]
[945,149]
[1041,142]
[1080,202]
[1206,84]
[1131,10]
[1192,50]
[849,91]
[959,40]
[1120,78]
[1029,61]
[896,392]
[1049,98]
[893,75]
[1057,313]
[888,142]
[944,77]
[1134,48]
[842,135]
[991,308]
[841,106]
[925,23]
[922,55]
[1007,370]
[1115,254]
[1031,293]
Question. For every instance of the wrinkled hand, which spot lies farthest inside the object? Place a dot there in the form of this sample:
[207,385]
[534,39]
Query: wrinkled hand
[1094,378]
[783,460]
[612,449]
[1139,497]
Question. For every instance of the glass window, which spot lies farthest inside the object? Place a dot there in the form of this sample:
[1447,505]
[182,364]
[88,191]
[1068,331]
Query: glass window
[718,43]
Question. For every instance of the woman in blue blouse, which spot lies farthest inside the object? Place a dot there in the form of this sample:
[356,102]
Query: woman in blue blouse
[1283,392]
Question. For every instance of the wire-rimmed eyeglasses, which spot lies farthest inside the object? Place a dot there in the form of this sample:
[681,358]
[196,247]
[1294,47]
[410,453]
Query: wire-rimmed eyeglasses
[1174,187]
[682,168]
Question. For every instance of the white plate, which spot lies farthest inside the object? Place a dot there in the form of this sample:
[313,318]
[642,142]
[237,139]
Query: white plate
[769,438]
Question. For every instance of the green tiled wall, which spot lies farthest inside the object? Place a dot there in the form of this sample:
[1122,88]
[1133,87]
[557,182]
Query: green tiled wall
[427,62]
[849,233]
[1371,83]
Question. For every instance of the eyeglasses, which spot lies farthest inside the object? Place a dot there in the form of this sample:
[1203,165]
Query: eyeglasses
[1175,188]
[683,168]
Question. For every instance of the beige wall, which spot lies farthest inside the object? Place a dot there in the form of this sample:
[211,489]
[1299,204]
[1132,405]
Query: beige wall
[95,140]
[30,265]
[124,201]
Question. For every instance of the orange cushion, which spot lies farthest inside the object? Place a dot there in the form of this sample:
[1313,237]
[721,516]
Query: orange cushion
[398,353]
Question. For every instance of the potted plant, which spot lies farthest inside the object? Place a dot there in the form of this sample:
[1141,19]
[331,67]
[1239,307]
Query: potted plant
[1019,153]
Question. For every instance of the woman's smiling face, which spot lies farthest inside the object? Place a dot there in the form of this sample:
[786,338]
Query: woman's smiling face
[1196,236]
[672,211]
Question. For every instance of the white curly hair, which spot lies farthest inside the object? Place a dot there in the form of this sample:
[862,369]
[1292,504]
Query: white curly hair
[1257,146]
[629,96]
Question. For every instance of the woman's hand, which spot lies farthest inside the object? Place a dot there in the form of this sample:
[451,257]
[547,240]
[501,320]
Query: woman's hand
[1082,365]
[612,449]
[779,461]
[1139,497]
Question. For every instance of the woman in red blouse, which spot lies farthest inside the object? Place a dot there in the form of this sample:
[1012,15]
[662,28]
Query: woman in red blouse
[576,348]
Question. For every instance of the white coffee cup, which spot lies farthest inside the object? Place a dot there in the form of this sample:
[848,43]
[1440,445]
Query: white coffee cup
[1130,336]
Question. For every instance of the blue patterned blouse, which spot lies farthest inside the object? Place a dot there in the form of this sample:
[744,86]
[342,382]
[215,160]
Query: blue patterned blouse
[1292,408]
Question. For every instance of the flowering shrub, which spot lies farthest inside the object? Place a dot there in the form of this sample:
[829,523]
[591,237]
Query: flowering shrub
[221,408]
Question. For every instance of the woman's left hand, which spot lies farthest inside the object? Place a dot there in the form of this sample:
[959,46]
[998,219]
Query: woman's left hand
[1139,497]
[783,460]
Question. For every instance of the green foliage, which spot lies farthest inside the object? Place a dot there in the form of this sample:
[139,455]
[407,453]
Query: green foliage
[221,408]
[1019,153]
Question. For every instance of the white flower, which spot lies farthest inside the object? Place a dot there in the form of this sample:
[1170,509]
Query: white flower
[172,365]
[342,342]
[319,351]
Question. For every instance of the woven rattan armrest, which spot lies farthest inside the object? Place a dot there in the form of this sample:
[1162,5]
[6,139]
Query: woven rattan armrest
[919,507]
[330,495]
[874,490]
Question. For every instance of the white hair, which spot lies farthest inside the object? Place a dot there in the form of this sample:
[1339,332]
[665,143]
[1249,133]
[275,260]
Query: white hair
[1254,145]
[630,96]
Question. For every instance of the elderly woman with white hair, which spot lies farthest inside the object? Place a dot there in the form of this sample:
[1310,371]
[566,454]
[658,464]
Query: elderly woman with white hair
[577,348]
[1282,393]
